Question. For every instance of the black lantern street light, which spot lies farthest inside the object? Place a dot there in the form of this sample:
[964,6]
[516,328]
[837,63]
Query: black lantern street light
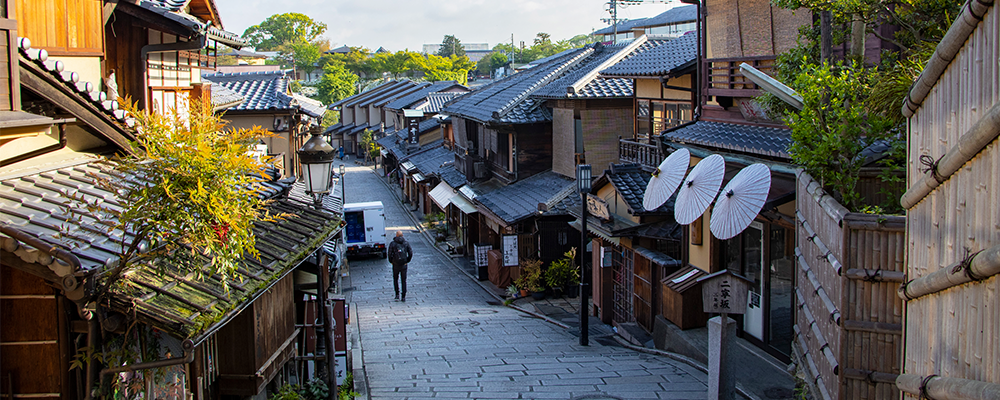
[316,156]
[583,183]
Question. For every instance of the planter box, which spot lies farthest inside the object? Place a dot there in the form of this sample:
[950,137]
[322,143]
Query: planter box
[682,302]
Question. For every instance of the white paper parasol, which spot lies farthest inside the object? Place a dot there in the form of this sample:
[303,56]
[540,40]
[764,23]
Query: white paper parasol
[666,178]
[699,188]
[741,200]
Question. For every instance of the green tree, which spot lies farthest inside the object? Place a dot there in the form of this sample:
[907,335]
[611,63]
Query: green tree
[337,83]
[451,45]
[282,29]
[833,127]
[302,55]
[487,65]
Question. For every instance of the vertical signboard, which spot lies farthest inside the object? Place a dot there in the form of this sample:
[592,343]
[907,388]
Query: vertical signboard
[510,250]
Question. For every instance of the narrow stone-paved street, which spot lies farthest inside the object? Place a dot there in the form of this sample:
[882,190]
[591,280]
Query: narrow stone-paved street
[451,339]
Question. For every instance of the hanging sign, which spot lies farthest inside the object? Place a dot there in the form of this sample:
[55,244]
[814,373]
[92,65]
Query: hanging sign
[598,207]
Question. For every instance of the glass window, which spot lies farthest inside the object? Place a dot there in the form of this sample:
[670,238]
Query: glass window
[781,290]
[642,120]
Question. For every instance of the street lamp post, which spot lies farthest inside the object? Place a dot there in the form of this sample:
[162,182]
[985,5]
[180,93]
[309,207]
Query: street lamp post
[343,189]
[583,183]
[316,156]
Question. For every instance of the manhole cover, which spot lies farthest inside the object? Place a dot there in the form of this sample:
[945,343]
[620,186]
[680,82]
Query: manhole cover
[779,393]
[483,312]
[458,323]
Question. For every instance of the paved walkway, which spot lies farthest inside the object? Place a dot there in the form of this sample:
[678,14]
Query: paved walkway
[453,339]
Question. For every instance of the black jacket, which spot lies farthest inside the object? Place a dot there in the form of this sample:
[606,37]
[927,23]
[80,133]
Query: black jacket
[396,243]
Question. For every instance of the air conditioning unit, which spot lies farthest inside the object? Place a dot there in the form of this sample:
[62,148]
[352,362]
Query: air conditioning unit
[480,168]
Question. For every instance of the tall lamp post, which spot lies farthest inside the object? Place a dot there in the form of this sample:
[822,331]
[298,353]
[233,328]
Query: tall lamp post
[343,189]
[583,183]
[316,156]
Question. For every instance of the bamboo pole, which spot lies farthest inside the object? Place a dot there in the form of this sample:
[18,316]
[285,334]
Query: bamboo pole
[942,388]
[874,275]
[874,327]
[824,345]
[818,288]
[971,143]
[811,236]
[983,266]
[811,365]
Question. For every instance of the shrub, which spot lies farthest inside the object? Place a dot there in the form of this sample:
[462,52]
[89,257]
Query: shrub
[531,276]
[563,271]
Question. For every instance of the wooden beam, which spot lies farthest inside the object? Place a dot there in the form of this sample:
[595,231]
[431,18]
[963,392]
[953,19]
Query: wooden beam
[874,327]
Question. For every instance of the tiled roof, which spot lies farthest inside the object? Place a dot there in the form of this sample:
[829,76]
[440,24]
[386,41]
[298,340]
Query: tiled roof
[428,125]
[661,60]
[223,97]
[378,91]
[312,107]
[668,229]
[340,50]
[674,15]
[753,139]
[333,129]
[407,101]
[429,161]
[364,94]
[37,59]
[174,11]
[266,90]
[630,183]
[520,199]
[623,26]
[688,13]
[390,95]
[506,100]
[245,54]
[557,88]
[451,175]
[563,207]
[174,301]
[436,101]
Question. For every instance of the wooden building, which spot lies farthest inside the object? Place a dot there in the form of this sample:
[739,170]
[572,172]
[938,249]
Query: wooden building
[951,323]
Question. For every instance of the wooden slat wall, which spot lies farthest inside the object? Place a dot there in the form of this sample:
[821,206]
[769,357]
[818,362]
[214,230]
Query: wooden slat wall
[642,301]
[30,334]
[63,27]
[956,332]
[871,301]
[8,52]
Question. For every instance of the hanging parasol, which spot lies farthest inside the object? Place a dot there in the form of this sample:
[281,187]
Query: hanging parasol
[665,179]
[699,188]
[741,200]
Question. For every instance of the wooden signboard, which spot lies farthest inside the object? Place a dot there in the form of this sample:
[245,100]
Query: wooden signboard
[481,252]
[510,256]
[598,207]
[724,292]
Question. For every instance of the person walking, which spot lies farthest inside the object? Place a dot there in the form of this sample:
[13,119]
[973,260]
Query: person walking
[399,253]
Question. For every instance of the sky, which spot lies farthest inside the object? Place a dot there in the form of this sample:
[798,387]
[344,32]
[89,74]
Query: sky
[409,24]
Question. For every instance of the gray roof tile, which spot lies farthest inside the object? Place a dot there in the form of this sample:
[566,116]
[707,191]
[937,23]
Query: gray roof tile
[674,15]
[752,139]
[520,199]
[661,60]
[506,100]
[629,181]
[421,95]
[265,90]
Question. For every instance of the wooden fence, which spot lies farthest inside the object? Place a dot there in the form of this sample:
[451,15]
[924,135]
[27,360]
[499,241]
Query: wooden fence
[644,154]
[848,321]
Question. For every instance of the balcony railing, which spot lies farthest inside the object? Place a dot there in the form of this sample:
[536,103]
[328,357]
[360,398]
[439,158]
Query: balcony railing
[647,155]
[724,77]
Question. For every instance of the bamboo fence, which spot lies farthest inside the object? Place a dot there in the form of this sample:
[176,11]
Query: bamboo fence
[952,325]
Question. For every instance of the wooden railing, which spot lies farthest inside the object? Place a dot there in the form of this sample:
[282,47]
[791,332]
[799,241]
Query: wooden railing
[647,155]
[724,77]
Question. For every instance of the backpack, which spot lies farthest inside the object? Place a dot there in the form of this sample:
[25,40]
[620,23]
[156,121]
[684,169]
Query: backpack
[397,253]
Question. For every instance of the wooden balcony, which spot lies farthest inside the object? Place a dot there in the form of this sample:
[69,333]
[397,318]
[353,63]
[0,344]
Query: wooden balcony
[631,151]
[724,77]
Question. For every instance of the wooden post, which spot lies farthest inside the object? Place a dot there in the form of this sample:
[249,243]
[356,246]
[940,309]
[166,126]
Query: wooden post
[328,326]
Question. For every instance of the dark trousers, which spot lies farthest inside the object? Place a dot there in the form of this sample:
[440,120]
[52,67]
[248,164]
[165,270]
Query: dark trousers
[398,274]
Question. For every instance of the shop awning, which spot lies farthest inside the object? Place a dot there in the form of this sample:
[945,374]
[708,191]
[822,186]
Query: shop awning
[576,224]
[442,194]
[463,204]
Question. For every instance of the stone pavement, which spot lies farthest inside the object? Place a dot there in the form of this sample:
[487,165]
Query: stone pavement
[453,339]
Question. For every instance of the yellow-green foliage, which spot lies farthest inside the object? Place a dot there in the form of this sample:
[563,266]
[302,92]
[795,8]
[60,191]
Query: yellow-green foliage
[188,185]
[531,276]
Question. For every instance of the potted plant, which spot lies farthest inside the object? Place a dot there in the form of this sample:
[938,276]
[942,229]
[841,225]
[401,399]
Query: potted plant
[563,274]
[532,278]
